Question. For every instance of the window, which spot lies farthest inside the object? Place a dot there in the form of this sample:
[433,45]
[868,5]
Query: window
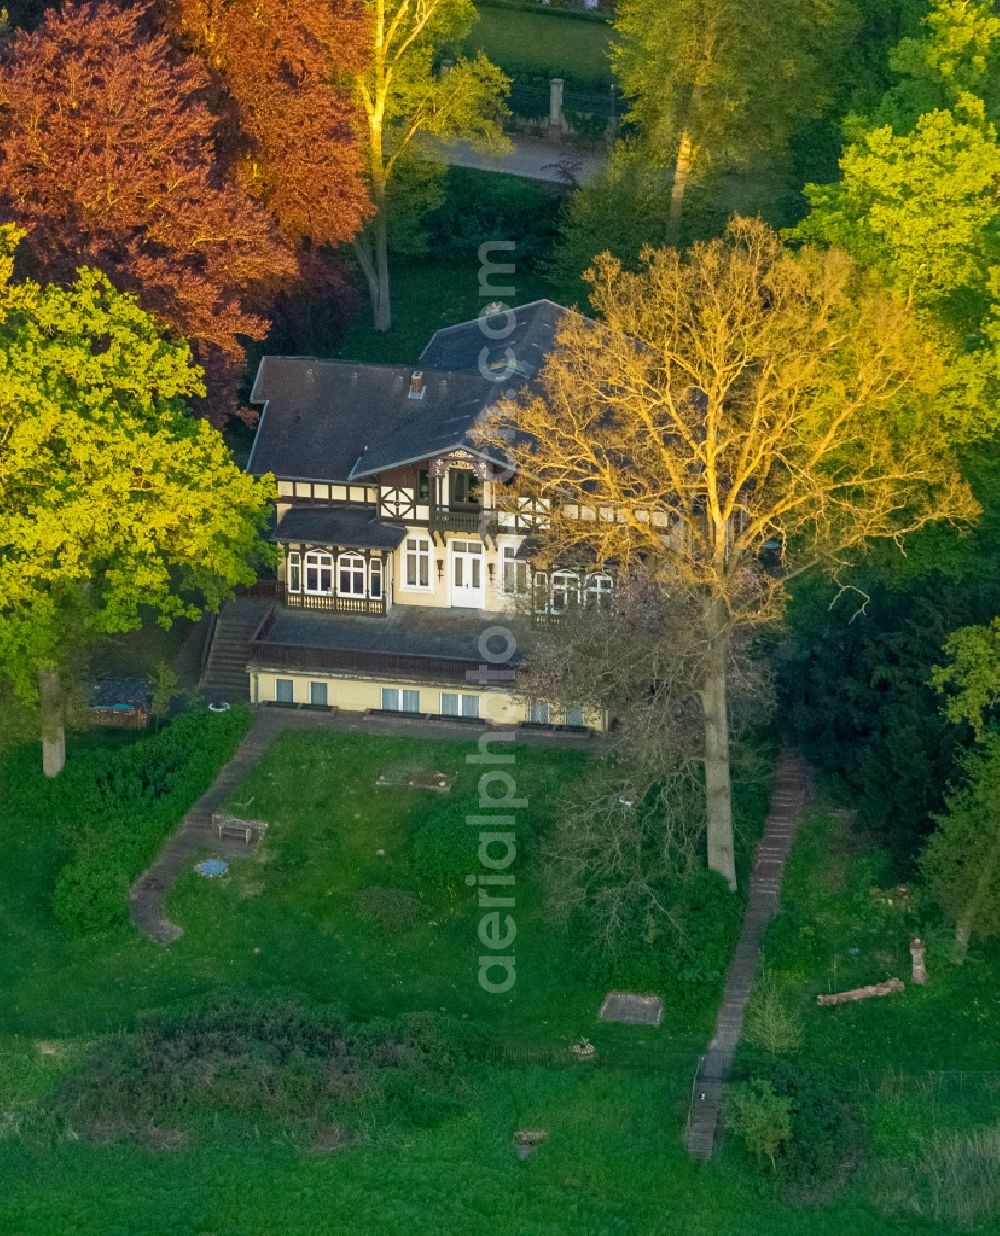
[565,590]
[574,717]
[417,563]
[459,705]
[293,572]
[599,589]
[463,488]
[538,712]
[375,578]
[284,691]
[350,575]
[317,694]
[319,573]
[396,700]
[515,574]
[423,485]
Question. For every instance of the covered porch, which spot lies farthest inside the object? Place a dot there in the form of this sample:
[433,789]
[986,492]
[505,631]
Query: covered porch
[337,560]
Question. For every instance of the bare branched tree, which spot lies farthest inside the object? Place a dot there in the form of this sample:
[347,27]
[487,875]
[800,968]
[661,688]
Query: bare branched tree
[631,830]
[732,405]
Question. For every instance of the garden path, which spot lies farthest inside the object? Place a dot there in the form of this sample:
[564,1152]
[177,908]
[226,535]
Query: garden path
[787,804]
[147,896]
[534,158]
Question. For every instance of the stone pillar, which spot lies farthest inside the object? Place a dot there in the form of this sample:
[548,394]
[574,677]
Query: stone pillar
[446,67]
[556,119]
[919,967]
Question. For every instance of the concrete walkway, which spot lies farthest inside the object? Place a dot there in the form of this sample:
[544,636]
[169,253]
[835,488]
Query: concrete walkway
[787,804]
[147,896]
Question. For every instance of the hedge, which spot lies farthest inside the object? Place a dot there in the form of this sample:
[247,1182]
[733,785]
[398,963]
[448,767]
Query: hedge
[114,809]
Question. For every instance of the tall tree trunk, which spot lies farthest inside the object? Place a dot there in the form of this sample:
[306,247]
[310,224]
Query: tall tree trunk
[372,249]
[718,790]
[53,722]
[683,165]
[967,919]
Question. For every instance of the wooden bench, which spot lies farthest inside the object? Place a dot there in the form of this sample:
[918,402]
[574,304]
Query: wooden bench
[232,826]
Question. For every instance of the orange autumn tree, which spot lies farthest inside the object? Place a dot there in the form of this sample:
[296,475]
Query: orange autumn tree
[108,157]
[284,68]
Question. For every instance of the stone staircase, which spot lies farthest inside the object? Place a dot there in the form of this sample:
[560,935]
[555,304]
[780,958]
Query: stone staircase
[225,677]
[787,804]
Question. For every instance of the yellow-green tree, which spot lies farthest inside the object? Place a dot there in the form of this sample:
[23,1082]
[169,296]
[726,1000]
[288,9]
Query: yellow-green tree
[962,858]
[917,198]
[735,417]
[719,83]
[113,498]
[408,97]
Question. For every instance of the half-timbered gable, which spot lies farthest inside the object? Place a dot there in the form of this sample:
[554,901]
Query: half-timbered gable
[397,526]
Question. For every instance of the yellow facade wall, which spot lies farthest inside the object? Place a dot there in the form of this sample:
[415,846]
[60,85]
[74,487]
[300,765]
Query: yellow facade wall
[359,694]
[439,594]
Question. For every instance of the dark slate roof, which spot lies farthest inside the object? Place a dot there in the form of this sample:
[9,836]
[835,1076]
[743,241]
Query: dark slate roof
[331,525]
[339,421]
[529,331]
[342,421]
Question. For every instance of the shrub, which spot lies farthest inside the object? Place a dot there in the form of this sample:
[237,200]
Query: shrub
[770,1023]
[683,957]
[277,1057]
[91,891]
[444,848]
[824,1128]
[114,808]
[761,1118]
[479,205]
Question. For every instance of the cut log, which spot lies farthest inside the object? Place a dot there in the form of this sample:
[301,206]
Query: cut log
[863,993]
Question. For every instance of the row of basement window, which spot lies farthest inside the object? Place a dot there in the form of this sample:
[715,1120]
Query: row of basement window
[396,699]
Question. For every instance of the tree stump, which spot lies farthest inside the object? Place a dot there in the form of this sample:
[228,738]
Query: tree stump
[917,951]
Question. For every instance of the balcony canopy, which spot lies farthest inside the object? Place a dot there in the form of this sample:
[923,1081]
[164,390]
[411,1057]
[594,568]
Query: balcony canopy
[332,525]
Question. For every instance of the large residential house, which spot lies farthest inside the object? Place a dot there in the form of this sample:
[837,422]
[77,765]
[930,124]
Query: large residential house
[402,549]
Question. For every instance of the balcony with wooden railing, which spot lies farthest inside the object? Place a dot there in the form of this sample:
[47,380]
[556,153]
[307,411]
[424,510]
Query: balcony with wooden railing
[472,520]
[275,590]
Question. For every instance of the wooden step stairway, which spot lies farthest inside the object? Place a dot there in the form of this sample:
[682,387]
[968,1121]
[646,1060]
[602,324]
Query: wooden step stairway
[787,804]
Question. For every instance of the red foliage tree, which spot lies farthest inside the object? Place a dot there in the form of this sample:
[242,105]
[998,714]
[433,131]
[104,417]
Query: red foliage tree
[286,66]
[108,158]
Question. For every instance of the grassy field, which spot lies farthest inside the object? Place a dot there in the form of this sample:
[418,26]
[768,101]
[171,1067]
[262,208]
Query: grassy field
[846,922]
[298,916]
[551,43]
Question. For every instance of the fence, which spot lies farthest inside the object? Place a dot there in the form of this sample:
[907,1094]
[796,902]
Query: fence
[543,107]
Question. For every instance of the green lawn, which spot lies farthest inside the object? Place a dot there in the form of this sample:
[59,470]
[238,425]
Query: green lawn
[550,43]
[846,922]
[288,918]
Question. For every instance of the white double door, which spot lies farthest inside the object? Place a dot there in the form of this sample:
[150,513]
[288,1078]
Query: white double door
[467,588]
